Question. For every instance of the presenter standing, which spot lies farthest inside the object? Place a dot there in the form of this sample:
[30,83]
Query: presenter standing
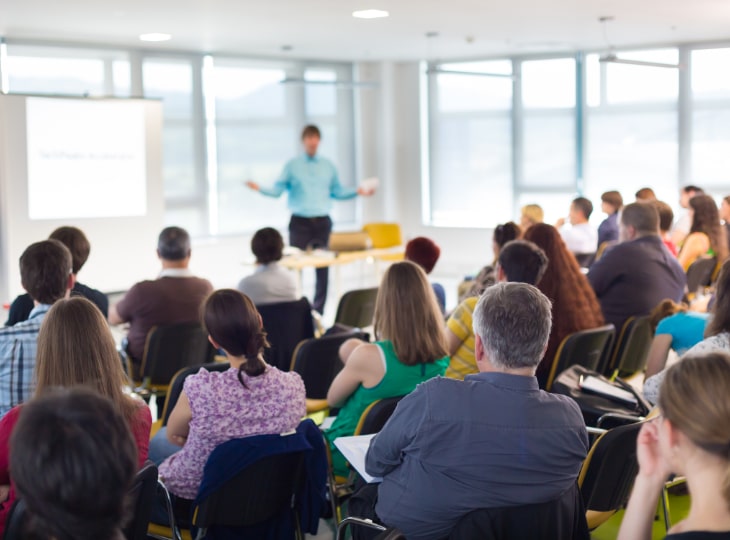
[311,182]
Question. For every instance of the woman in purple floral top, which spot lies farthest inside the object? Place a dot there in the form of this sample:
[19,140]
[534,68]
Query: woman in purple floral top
[251,398]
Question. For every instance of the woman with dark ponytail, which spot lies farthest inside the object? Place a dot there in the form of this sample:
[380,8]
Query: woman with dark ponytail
[690,438]
[251,398]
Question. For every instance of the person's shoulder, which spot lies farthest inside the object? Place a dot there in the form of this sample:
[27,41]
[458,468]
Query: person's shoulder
[567,404]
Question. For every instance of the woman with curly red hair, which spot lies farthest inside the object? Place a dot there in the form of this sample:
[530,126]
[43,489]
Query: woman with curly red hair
[575,306]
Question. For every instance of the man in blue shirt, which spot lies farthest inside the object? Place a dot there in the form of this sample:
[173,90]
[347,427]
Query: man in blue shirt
[46,274]
[492,440]
[311,182]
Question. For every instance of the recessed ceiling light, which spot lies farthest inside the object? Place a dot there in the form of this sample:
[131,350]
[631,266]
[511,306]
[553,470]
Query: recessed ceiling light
[370,14]
[155,36]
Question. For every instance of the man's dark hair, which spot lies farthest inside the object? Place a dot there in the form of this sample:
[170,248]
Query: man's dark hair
[267,245]
[73,459]
[76,242]
[44,270]
[173,244]
[613,198]
[645,194]
[506,232]
[692,189]
[642,216]
[522,261]
[666,215]
[311,130]
[584,205]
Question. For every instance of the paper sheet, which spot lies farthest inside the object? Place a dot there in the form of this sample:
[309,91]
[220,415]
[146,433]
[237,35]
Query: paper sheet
[354,449]
[594,384]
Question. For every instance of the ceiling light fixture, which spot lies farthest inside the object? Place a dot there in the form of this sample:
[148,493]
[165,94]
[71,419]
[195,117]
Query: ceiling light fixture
[370,14]
[155,36]
[611,58]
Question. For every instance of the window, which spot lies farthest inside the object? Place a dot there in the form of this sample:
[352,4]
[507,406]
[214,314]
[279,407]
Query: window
[471,144]
[710,156]
[632,125]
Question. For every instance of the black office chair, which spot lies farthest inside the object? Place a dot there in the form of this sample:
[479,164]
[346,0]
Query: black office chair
[356,308]
[141,500]
[563,517]
[632,348]
[318,362]
[608,473]
[585,260]
[699,274]
[168,349]
[584,348]
[15,524]
[286,324]
[376,415]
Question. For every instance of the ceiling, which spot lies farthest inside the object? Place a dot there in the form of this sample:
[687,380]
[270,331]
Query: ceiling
[325,29]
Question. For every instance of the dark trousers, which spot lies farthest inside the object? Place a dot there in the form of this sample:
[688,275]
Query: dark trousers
[311,233]
[362,505]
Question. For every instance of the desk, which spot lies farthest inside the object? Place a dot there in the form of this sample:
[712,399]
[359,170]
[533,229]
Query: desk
[325,259]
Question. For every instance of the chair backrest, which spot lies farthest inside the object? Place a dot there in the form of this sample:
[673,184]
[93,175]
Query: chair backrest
[317,361]
[15,523]
[141,501]
[177,382]
[286,324]
[585,260]
[562,518]
[632,347]
[609,469]
[356,308]
[171,347]
[383,235]
[259,492]
[376,415]
[699,274]
[584,348]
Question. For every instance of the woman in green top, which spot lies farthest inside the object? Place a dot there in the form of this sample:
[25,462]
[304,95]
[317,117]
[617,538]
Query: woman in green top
[410,349]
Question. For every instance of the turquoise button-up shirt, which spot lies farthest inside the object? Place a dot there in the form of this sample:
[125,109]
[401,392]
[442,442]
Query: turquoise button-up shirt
[311,182]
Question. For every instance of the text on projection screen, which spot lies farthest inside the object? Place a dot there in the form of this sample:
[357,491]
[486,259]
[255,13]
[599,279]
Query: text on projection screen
[86,159]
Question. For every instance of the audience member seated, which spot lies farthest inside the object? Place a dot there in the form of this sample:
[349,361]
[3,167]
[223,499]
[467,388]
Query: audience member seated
[487,276]
[706,236]
[76,348]
[410,349]
[491,440]
[611,204]
[717,332]
[634,276]
[45,273]
[574,304]
[77,243]
[425,253]
[270,283]
[690,438]
[530,214]
[684,223]
[73,461]
[581,237]
[725,216]
[666,218]
[173,298]
[250,398]
[519,261]
[675,328]
[645,195]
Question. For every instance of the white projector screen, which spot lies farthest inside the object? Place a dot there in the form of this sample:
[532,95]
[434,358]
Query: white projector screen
[86,159]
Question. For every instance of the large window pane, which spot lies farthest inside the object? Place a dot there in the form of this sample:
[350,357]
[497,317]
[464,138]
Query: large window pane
[321,99]
[472,172]
[630,150]
[171,81]
[636,84]
[711,148]
[549,150]
[242,92]
[463,93]
[548,83]
[710,74]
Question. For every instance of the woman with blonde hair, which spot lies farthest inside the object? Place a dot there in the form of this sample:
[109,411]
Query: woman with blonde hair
[690,438]
[410,349]
[531,214]
[76,348]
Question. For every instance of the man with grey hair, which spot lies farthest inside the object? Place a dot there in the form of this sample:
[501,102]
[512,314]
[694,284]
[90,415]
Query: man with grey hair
[174,297]
[492,440]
